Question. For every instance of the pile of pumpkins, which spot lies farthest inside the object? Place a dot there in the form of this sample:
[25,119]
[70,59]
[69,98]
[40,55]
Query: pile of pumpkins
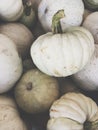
[48,64]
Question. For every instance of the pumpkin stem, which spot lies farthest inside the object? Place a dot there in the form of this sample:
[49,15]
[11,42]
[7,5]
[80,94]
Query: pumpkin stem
[91,125]
[56,26]
[27,7]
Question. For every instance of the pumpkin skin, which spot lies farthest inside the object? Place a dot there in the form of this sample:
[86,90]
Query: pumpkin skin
[91,23]
[10,64]
[87,78]
[21,36]
[64,54]
[73,11]
[9,116]
[71,111]
[35,92]
[12,10]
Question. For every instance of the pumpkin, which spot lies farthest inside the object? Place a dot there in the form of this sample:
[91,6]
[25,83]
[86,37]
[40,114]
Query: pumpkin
[28,17]
[73,13]
[12,10]
[91,23]
[36,91]
[73,111]
[63,54]
[91,4]
[21,36]
[9,116]
[87,78]
[10,64]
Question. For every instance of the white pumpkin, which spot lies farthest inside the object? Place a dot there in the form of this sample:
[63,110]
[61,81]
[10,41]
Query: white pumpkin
[73,111]
[91,23]
[11,10]
[10,64]
[21,36]
[9,115]
[73,11]
[63,54]
[87,78]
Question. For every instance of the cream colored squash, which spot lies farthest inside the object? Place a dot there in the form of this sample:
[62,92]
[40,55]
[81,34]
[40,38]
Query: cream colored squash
[73,111]
[91,23]
[87,78]
[9,116]
[21,36]
[10,64]
[64,54]
[11,10]
[73,11]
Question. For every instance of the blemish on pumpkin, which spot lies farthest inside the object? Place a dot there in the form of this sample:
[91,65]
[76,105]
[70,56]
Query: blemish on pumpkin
[29,86]
[54,110]
[56,72]
[46,10]
[42,49]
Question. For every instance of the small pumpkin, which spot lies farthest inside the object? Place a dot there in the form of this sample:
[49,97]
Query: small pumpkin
[73,13]
[36,91]
[9,116]
[73,111]
[21,36]
[10,64]
[62,54]
[12,10]
[91,23]
[87,78]
[91,4]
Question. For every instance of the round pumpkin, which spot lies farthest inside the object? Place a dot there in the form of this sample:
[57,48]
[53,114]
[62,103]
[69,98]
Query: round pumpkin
[11,10]
[73,111]
[36,91]
[9,115]
[73,13]
[63,54]
[87,78]
[10,64]
[91,23]
[21,36]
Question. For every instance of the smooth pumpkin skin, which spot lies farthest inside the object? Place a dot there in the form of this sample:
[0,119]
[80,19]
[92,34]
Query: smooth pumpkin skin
[11,10]
[21,36]
[73,11]
[91,23]
[71,111]
[9,115]
[36,91]
[63,54]
[10,64]
[87,78]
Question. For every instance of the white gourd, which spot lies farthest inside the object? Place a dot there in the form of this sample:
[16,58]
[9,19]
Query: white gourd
[73,111]
[87,78]
[63,54]
[10,64]
[73,10]
[11,10]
